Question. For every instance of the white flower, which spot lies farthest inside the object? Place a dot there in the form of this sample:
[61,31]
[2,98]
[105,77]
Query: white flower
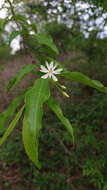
[50,70]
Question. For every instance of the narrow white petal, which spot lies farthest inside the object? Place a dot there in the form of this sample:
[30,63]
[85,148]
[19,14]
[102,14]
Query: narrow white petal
[54,78]
[51,64]
[45,76]
[57,71]
[55,66]
[43,69]
[47,65]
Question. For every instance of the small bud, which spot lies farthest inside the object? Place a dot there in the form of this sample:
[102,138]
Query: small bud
[65,94]
[62,86]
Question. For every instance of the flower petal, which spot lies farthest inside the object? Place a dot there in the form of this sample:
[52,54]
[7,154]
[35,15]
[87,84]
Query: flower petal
[55,66]
[51,64]
[45,76]
[43,69]
[54,78]
[57,71]
[47,65]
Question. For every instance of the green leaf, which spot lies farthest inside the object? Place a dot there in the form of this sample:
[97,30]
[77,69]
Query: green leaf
[34,28]
[34,100]
[7,114]
[79,77]
[13,35]
[20,75]
[97,83]
[57,110]
[45,39]
[21,19]
[45,50]
[11,126]
[11,83]
[2,24]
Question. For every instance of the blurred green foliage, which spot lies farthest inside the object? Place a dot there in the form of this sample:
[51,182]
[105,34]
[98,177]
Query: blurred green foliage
[63,166]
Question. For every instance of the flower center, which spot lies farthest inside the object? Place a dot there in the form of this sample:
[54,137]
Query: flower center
[50,71]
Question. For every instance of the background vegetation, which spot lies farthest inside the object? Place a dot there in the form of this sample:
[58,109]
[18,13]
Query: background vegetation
[80,35]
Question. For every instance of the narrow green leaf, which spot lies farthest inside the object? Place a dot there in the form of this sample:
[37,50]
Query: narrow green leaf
[23,71]
[2,24]
[13,35]
[45,39]
[97,83]
[11,83]
[34,28]
[34,100]
[47,51]
[20,18]
[57,110]
[7,114]
[11,126]
[79,77]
